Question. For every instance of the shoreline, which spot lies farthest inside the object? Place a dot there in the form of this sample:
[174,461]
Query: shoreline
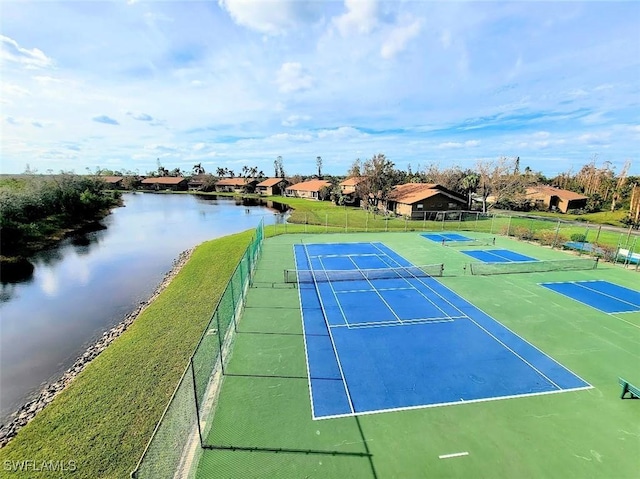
[25,413]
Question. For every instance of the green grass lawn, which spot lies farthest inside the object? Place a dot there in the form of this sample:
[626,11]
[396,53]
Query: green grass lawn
[105,418]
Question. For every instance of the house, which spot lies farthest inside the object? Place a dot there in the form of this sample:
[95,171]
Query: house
[348,189]
[555,198]
[201,182]
[413,199]
[236,185]
[349,185]
[272,186]
[113,182]
[175,183]
[307,189]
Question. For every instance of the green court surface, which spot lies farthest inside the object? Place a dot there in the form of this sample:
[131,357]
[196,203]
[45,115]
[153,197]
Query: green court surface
[261,425]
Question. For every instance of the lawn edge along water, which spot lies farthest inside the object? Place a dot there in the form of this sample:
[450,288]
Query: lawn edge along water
[103,420]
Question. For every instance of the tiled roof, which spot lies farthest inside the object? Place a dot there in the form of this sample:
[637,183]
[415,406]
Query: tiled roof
[163,180]
[270,182]
[311,185]
[111,179]
[411,192]
[235,181]
[551,191]
[353,181]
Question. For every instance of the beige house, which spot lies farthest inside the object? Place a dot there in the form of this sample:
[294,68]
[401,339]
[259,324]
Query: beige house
[175,183]
[348,186]
[307,189]
[555,198]
[271,186]
[236,185]
[413,199]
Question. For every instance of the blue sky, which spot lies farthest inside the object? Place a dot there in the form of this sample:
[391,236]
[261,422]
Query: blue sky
[229,83]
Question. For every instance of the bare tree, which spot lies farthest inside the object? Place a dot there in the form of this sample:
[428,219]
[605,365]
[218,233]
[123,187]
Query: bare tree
[319,165]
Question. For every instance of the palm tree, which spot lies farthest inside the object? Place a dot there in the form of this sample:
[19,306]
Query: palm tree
[221,172]
[198,169]
[470,184]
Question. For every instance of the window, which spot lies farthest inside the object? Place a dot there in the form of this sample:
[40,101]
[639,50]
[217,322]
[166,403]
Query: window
[419,206]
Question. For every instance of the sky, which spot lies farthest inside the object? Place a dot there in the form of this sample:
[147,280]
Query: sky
[230,83]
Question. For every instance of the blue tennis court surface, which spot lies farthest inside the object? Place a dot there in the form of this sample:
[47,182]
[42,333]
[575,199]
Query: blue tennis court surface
[405,342]
[602,295]
[440,237]
[497,256]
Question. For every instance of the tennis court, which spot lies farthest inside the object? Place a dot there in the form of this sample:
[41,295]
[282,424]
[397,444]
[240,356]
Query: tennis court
[444,237]
[602,295]
[380,342]
[282,408]
[497,256]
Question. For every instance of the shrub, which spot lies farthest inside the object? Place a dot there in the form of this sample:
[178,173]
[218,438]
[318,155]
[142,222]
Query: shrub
[578,237]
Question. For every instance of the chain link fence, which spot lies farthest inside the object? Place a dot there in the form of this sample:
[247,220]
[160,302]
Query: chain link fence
[176,442]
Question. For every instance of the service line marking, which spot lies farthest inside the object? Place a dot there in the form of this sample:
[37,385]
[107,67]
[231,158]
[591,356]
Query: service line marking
[455,454]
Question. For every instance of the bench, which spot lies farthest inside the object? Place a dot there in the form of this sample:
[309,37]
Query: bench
[630,389]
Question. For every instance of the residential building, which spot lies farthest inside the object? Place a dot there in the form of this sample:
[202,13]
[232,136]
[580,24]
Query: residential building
[307,189]
[556,199]
[414,199]
[236,185]
[272,186]
[175,183]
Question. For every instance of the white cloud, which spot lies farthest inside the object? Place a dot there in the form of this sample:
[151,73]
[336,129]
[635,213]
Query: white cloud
[447,145]
[293,120]
[292,77]
[397,39]
[272,17]
[303,137]
[30,59]
[361,17]
[341,133]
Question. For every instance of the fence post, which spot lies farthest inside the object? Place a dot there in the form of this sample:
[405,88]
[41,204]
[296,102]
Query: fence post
[460,221]
[492,220]
[509,226]
[346,220]
[424,221]
[555,239]
[477,216]
[444,215]
[595,241]
[386,223]
[326,222]
[195,397]
[366,223]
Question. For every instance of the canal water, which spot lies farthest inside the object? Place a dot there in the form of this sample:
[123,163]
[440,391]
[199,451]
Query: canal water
[91,281]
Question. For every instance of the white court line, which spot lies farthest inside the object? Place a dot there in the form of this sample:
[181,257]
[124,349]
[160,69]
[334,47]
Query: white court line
[496,321]
[377,292]
[333,343]
[578,283]
[452,403]
[304,337]
[455,454]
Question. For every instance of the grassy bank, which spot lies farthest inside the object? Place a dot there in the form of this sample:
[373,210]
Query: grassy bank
[104,419]
[320,216]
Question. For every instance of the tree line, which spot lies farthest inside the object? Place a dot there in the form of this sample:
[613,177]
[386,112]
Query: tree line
[34,207]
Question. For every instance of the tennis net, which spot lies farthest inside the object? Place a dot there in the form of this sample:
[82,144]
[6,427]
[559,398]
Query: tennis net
[533,266]
[323,276]
[467,243]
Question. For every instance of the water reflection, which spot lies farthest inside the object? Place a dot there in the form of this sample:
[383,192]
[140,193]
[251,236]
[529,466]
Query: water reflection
[92,280]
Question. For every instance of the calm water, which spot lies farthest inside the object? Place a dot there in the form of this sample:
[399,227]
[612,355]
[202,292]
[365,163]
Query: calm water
[89,283]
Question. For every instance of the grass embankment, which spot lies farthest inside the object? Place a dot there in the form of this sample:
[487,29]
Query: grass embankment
[104,419]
